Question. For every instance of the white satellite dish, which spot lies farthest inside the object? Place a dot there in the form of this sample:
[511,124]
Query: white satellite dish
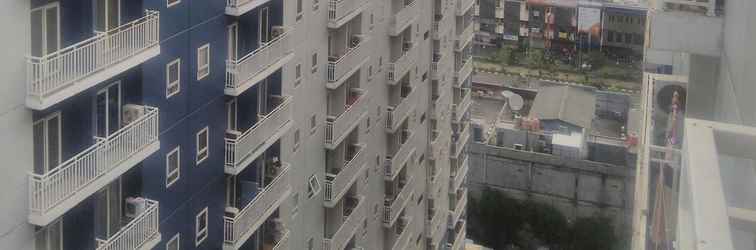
[514,101]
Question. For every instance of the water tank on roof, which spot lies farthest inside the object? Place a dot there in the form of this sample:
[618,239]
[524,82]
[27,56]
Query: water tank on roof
[514,101]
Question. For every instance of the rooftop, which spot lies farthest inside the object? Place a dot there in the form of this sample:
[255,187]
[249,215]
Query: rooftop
[572,105]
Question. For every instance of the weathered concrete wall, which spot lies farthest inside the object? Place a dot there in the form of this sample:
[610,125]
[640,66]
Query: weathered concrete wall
[577,188]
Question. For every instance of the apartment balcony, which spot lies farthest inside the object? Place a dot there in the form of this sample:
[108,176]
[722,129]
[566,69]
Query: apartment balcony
[465,37]
[340,67]
[459,144]
[68,71]
[336,185]
[393,206]
[53,193]
[459,237]
[458,175]
[141,233]
[400,158]
[245,72]
[440,143]
[459,109]
[244,147]
[239,7]
[404,17]
[240,227]
[353,219]
[459,206]
[463,72]
[435,225]
[405,237]
[442,104]
[499,12]
[462,6]
[441,65]
[338,127]
[403,64]
[341,11]
[398,113]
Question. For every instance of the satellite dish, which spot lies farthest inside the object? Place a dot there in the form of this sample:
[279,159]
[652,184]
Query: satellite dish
[514,101]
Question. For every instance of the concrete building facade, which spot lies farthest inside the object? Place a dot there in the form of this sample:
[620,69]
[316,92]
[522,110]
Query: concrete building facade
[235,124]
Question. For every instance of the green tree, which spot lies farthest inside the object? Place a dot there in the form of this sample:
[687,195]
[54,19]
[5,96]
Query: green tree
[592,233]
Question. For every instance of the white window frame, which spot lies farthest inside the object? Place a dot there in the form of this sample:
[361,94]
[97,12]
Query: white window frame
[203,70]
[46,160]
[176,239]
[200,234]
[297,74]
[177,171]
[313,123]
[94,16]
[297,140]
[314,62]
[300,9]
[177,83]
[204,150]
[313,186]
[169,4]
[58,42]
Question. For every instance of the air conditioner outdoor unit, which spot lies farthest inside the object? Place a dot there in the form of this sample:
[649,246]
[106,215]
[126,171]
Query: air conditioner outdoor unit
[519,146]
[132,112]
[277,31]
[135,206]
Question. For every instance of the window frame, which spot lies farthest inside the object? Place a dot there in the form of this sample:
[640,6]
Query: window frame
[313,186]
[206,149]
[176,239]
[297,74]
[177,83]
[168,3]
[200,235]
[200,67]
[314,60]
[177,171]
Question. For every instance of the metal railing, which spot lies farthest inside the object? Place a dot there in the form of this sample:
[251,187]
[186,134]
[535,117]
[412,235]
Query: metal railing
[348,228]
[464,37]
[459,145]
[396,162]
[143,228]
[336,184]
[398,113]
[57,70]
[463,71]
[402,65]
[50,189]
[459,175]
[283,243]
[393,207]
[349,60]
[459,205]
[241,147]
[253,214]
[461,107]
[239,71]
[337,127]
[338,9]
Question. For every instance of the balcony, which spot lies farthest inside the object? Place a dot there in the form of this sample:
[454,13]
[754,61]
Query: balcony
[353,219]
[398,114]
[403,64]
[141,233]
[53,193]
[458,175]
[459,205]
[442,105]
[239,7]
[404,17]
[459,238]
[237,229]
[459,144]
[465,37]
[393,206]
[336,185]
[440,143]
[462,6]
[341,11]
[243,148]
[245,72]
[405,237]
[459,109]
[64,73]
[340,67]
[498,12]
[463,72]
[435,226]
[441,64]
[400,158]
[338,127]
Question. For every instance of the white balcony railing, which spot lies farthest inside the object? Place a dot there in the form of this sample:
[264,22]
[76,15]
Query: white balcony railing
[459,145]
[404,17]
[462,6]
[349,61]
[461,107]
[336,185]
[440,144]
[244,72]
[397,114]
[348,228]
[337,127]
[459,175]
[459,206]
[240,227]
[403,241]
[338,9]
[464,37]
[93,168]
[242,149]
[442,105]
[396,162]
[402,65]
[142,232]
[283,243]
[63,69]
[393,207]
[463,72]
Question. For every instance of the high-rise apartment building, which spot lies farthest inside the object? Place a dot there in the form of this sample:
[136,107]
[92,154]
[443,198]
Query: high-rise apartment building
[695,173]
[234,124]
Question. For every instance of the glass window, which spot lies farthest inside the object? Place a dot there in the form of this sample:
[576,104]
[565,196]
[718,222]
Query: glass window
[172,78]
[203,61]
[200,227]
[202,145]
[172,166]
[313,186]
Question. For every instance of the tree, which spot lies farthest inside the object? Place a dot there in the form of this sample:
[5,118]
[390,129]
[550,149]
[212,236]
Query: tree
[506,55]
[592,233]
